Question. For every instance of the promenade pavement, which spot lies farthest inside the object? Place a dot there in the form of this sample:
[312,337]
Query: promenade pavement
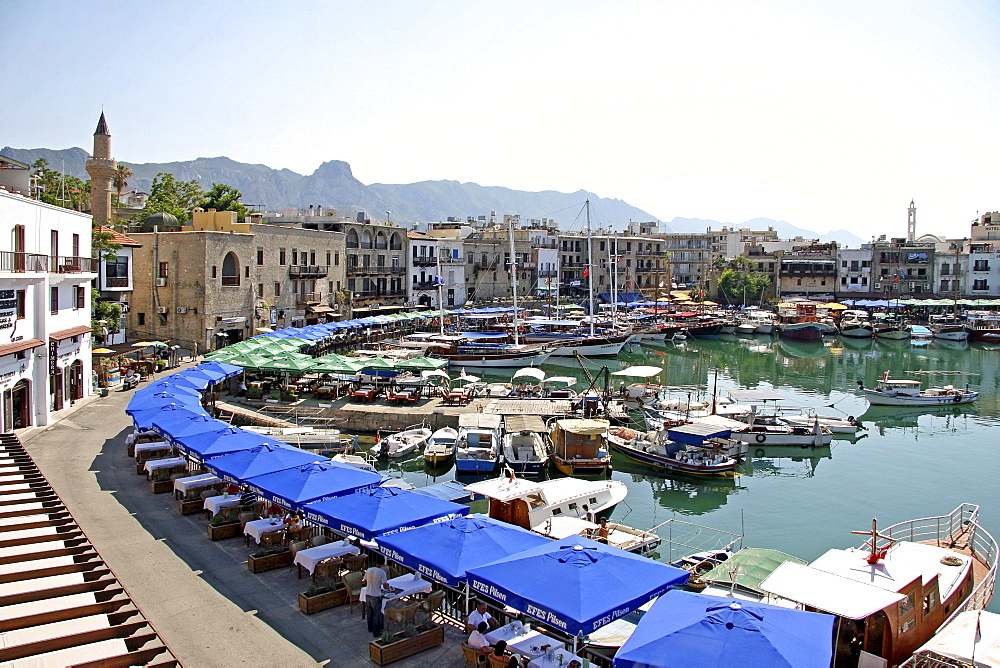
[198,594]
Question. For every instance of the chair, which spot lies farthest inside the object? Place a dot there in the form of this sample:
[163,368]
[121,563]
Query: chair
[432,604]
[498,662]
[327,569]
[295,547]
[259,507]
[473,657]
[273,539]
[354,583]
[206,493]
[231,513]
[355,563]
[244,518]
[405,615]
[319,539]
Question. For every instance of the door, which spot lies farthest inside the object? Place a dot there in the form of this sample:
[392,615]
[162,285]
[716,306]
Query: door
[21,405]
[56,390]
[76,380]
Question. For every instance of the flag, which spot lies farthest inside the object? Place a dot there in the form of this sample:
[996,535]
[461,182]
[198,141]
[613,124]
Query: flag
[438,280]
[896,280]
[586,272]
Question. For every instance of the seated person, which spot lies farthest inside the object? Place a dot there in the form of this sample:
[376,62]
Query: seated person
[477,639]
[274,511]
[291,520]
[603,531]
[500,652]
[480,615]
[247,499]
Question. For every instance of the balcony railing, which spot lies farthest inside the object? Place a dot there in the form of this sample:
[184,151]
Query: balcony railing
[17,262]
[230,281]
[424,261]
[423,285]
[308,298]
[452,260]
[115,282]
[546,273]
[308,271]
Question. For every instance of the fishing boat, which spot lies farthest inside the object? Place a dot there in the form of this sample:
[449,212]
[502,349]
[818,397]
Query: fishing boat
[891,326]
[470,349]
[895,591]
[358,461]
[856,325]
[440,446]
[837,425]
[908,392]
[524,449]
[562,507]
[578,446]
[687,449]
[799,321]
[947,327]
[478,447]
[983,326]
[310,438]
[565,339]
[403,443]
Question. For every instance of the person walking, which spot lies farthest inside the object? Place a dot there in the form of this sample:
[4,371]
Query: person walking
[375,582]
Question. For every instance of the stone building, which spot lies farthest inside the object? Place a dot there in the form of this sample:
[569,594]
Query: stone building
[808,271]
[218,281]
[902,269]
[115,282]
[102,169]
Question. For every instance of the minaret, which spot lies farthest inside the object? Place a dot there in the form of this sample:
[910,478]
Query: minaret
[102,168]
[911,223]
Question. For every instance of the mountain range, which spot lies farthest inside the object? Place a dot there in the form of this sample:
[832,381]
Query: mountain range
[333,185]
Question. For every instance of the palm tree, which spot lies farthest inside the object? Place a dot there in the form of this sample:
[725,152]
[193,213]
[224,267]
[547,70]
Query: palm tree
[121,178]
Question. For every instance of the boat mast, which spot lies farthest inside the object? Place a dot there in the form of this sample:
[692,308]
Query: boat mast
[590,272]
[513,277]
[440,285]
[611,269]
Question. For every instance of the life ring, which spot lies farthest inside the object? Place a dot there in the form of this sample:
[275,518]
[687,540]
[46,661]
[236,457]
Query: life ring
[958,398]
[761,438]
[759,452]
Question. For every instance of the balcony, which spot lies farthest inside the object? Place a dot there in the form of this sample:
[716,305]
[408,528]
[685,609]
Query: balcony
[547,273]
[115,282]
[308,271]
[649,253]
[424,261]
[452,260]
[19,262]
[423,285]
[306,298]
[71,264]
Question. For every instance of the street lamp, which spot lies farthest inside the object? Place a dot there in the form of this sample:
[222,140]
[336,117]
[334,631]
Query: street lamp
[387,214]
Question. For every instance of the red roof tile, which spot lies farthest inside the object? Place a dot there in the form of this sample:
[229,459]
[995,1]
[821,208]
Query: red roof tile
[118,237]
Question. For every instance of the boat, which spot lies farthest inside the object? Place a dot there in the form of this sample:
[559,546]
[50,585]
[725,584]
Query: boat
[983,326]
[565,339]
[309,438]
[477,449]
[470,349]
[947,327]
[403,443]
[578,446]
[559,508]
[524,449]
[800,322]
[891,326]
[895,591]
[856,325]
[440,446]
[358,461]
[908,392]
[972,638]
[686,449]
[837,425]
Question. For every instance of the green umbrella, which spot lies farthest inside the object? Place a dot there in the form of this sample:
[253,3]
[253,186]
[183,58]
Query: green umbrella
[335,364]
[422,364]
[247,361]
[292,366]
[378,363]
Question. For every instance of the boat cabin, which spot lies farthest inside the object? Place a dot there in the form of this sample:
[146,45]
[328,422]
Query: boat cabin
[900,386]
[529,504]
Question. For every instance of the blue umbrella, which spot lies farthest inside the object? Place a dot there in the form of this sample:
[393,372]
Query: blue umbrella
[686,629]
[167,421]
[316,481]
[146,400]
[446,550]
[219,369]
[220,442]
[195,377]
[575,584]
[177,428]
[381,511]
[143,419]
[267,457]
[167,385]
[175,380]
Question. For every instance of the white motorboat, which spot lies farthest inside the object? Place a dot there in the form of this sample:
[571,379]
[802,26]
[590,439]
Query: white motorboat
[478,446]
[947,327]
[524,449]
[907,392]
[358,461]
[856,325]
[837,425]
[441,446]
[403,443]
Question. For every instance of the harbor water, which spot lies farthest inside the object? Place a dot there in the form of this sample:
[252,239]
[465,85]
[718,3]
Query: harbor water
[906,462]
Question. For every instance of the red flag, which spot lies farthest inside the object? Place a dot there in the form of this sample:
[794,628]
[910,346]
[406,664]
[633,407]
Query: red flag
[586,272]
[896,280]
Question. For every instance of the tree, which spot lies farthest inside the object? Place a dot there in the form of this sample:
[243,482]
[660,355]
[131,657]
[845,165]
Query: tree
[103,246]
[121,178]
[60,189]
[104,314]
[736,283]
[224,198]
[172,196]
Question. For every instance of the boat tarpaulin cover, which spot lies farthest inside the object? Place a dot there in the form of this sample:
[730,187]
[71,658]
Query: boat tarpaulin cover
[750,565]
[695,434]
[755,395]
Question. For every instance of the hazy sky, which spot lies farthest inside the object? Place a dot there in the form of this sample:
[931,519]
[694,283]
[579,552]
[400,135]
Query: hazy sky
[825,114]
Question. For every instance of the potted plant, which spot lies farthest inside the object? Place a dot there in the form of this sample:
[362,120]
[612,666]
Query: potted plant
[221,527]
[265,559]
[318,597]
[254,393]
[289,396]
[398,646]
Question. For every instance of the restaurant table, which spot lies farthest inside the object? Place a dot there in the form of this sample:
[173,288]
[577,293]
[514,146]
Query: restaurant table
[544,661]
[182,485]
[151,447]
[214,504]
[407,585]
[309,557]
[257,528]
[154,464]
[148,434]
[523,642]
[365,393]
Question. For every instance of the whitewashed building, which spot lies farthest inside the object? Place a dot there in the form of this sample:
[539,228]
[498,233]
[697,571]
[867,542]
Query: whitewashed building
[46,271]
[114,282]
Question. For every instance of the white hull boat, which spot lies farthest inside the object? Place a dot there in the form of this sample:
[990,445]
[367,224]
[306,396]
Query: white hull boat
[441,446]
[906,392]
[404,443]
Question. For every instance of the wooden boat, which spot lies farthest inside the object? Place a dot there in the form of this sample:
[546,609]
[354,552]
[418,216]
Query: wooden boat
[800,322]
[403,443]
[890,326]
[467,350]
[907,392]
[894,592]
[947,327]
[441,446]
[686,449]
[856,325]
[524,448]
[983,326]
[579,448]
[477,449]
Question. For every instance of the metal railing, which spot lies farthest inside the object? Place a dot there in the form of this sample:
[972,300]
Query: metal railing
[18,262]
[424,261]
[115,282]
[308,271]
[71,264]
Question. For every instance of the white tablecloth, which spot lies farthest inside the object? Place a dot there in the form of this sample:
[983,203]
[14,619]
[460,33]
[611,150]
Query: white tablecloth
[152,447]
[214,503]
[167,463]
[258,528]
[131,438]
[309,557]
[407,586]
[182,485]
[522,643]
[544,662]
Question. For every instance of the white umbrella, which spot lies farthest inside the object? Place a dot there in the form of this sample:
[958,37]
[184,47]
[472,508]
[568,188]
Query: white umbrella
[638,371]
[531,372]
[467,378]
[437,372]
[569,380]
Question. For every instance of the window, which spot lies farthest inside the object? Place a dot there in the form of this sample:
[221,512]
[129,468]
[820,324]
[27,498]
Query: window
[295,256]
[906,605]
[230,270]
[930,601]
[981,265]
[54,242]
[336,259]
[162,318]
[843,264]
[246,271]
[140,319]
[116,268]
[328,263]
[260,255]
[260,289]
[19,303]
[865,264]
[215,271]
[980,284]
[81,296]
[162,270]
[281,256]
[54,299]
[907,625]
[352,239]
[76,245]
[277,289]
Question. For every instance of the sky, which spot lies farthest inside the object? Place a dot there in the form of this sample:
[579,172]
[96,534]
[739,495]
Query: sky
[829,115]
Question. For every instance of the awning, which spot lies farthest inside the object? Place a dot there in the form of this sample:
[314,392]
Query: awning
[828,592]
[695,433]
[319,308]
[18,346]
[66,333]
